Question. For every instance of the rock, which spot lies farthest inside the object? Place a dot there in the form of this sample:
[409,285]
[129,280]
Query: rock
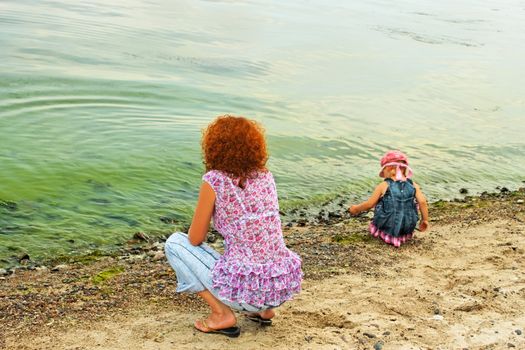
[3,272]
[308,338]
[437,311]
[369,335]
[24,258]
[59,268]
[438,317]
[378,345]
[386,333]
[158,246]
[518,332]
[211,238]
[463,190]
[288,224]
[158,256]
[504,190]
[510,345]
[334,214]
[141,236]
[520,201]
[42,268]
[167,220]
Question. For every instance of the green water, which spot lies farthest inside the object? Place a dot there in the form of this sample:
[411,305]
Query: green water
[102,105]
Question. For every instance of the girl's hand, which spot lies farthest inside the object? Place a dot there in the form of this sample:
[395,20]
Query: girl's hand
[423,225]
[353,210]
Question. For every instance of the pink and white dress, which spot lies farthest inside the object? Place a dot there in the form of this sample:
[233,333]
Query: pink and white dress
[256,268]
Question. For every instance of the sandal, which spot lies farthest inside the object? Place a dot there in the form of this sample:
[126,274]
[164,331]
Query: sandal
[260,320]
[232,332]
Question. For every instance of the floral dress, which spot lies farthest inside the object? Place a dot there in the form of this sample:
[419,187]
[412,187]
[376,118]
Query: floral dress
[256,268]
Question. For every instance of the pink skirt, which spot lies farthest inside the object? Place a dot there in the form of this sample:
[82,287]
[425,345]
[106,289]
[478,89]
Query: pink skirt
[395,241]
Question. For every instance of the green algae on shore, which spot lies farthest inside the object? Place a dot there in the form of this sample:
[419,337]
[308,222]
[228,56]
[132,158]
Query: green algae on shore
[107,274]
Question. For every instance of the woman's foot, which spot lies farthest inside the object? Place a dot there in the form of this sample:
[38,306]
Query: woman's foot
[264,318]
[216,321]
[265,315]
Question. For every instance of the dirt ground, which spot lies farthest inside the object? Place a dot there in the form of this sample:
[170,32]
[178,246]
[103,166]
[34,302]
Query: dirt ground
[460,286]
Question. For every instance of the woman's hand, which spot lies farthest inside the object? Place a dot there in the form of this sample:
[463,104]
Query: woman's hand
[423,225]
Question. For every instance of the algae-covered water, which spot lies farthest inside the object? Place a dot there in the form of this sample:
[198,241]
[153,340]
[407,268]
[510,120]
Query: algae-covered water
[102,105]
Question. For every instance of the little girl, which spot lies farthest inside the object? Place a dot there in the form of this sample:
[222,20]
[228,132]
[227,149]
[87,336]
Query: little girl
[396,202]
[256,273]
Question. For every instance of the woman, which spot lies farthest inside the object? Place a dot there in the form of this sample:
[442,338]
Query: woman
[256,273]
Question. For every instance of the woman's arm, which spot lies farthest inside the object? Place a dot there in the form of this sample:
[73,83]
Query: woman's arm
[372,201]
[202,216]
[423,208]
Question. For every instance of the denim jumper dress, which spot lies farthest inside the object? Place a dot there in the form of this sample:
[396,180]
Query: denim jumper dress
[395,215]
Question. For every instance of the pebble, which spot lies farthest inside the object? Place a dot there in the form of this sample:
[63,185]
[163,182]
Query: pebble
[59,268]
[369,335]
[520,201]
[518,332]
[463,191]
[308,338]
[158,256]
[3,272]
[158,246]
[378,345]
[211,238]
[510,345]
[141,236]
[24,258]
[167,220]
[42,268]
[438,317]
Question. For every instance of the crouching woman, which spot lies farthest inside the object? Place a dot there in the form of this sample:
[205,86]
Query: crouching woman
[257,272]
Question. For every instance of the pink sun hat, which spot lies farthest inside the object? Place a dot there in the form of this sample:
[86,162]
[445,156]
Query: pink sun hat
[398,159]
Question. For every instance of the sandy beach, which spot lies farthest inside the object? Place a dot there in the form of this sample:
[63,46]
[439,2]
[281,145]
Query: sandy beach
[459,286]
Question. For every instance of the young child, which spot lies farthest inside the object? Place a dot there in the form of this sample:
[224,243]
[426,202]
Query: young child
[256,273]
[396,202]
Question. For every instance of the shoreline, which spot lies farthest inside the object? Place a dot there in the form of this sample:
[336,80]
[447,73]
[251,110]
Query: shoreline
[327,213]
[86,291]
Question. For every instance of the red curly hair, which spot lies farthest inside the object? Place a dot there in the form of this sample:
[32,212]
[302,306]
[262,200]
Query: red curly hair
[234,145]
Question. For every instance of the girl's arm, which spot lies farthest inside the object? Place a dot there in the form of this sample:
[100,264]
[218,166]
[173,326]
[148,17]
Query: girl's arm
[372,201]
[202,216]
[423,208]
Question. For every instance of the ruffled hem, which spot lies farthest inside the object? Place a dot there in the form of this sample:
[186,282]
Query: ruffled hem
[268,284]
[389,239]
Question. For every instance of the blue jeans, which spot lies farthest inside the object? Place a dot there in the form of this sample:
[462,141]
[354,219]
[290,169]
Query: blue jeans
[193,266]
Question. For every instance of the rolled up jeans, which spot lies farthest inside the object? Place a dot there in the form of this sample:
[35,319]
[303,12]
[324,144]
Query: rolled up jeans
[193,266]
